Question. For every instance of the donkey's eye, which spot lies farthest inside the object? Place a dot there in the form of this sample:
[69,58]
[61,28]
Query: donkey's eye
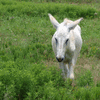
[56,40]
[67,41]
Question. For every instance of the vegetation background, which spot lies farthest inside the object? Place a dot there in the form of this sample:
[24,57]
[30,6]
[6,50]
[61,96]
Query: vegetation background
[28,68]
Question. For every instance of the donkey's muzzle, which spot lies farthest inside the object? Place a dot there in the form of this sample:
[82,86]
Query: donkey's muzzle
[59,59]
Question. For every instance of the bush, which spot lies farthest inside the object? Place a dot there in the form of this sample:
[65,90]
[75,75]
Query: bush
[40,82]
[85,93]
[33,9]
[19,82]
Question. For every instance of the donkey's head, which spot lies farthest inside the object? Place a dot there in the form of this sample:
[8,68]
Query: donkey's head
[62,35]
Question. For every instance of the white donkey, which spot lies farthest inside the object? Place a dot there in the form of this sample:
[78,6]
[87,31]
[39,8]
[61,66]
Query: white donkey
[66,44]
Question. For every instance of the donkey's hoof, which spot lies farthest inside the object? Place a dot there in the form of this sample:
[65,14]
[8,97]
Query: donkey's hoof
[72,76]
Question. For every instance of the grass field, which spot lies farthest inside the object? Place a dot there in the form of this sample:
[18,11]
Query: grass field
[28,67]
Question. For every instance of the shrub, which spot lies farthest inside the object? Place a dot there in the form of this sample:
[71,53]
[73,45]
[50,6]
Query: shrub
[85,93]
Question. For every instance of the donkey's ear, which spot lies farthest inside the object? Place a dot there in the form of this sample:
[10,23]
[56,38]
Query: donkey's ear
[53,21]
[74,24]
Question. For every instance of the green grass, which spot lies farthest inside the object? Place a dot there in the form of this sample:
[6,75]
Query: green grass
[28,68]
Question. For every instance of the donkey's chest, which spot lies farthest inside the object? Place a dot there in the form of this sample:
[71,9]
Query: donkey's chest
[68,56]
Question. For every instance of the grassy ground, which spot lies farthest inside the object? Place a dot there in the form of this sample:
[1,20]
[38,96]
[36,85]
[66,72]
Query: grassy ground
[28,68]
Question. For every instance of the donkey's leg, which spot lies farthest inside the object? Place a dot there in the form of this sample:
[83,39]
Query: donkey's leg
[72,65]
[67,70]
[61,65]
[71,70]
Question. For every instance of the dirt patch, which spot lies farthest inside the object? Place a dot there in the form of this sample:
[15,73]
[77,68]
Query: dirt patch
[92,64]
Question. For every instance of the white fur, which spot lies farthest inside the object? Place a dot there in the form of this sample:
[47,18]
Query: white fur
[68,50]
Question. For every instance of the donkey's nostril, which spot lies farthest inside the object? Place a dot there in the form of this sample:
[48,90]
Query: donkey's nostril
[59,59]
